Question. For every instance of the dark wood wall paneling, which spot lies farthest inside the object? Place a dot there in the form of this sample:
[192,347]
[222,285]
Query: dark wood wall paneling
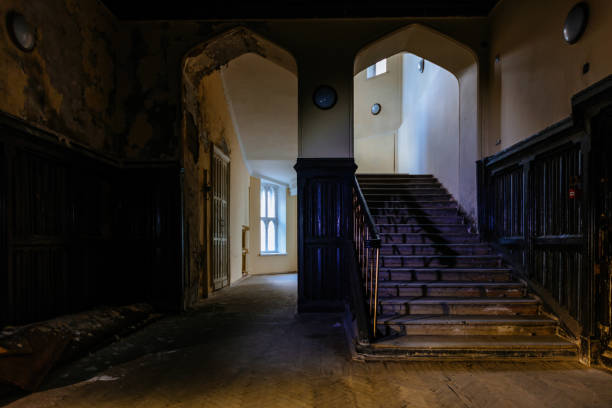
[525,207]
[76,232]
[324,232]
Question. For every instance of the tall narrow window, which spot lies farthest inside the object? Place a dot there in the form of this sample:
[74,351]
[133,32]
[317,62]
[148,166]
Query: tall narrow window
[269,204]
[379,68]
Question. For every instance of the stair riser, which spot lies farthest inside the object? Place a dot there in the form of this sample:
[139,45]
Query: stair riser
[460,309]
[407,198]
[466,330]
[412,184]
[439,263]
[446,276]
[399,204]
[416,219]
[401,212]
[429,239]
[414,192]
[436,250]
[393,177]
[421,229]
[453,292]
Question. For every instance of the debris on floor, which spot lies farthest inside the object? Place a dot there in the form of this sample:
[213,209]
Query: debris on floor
[27,353]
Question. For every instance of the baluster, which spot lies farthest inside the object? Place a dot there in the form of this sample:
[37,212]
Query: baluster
[376,291]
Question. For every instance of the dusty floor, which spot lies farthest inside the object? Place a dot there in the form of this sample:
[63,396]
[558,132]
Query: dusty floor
[246,348]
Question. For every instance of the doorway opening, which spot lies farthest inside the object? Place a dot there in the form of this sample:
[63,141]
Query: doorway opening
[239,138]
[418,111]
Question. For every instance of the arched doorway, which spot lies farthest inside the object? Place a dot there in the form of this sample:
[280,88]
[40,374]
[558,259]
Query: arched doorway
[417,41]
[239,134]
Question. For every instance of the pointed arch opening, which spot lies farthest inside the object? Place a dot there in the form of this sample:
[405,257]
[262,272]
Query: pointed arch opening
[239,135]
[452,62]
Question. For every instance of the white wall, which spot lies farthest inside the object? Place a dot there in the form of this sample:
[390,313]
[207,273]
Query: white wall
[428,138]
[375,134]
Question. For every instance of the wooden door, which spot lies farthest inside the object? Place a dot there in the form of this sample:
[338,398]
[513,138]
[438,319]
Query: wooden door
[220,166]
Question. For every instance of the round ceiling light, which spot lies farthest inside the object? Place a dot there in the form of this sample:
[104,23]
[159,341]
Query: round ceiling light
[21,32]
[325,97]
[576,23]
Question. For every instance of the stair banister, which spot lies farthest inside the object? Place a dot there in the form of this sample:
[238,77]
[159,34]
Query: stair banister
[367,250]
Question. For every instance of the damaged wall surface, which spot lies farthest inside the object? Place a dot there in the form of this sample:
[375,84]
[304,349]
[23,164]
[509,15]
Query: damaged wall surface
[67,84]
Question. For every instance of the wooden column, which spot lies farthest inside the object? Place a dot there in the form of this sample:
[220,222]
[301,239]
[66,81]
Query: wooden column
[324,232]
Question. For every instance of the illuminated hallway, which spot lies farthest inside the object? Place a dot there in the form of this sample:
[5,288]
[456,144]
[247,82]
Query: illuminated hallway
[246,347]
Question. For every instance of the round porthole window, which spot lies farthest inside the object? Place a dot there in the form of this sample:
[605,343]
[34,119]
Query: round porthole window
[575,23]
[20,31]
[325,97]
[376,109]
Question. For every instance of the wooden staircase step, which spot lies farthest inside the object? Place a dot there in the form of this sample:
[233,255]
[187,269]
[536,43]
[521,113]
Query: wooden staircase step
[458,305]
[402,261]
[466,325]
[417,219]
[474,347]
[447,274]
[421,228]
[424,238]
[413,184]
[436,249]
[451,289]
[425,203]
[408,211]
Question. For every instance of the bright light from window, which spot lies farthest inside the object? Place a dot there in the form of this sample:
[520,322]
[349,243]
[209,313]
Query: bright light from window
[379,68]
[273,218]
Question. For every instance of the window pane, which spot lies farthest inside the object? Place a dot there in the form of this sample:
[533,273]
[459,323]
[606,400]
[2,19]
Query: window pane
[262,204]
[381,67]
[271,237]
[271,204]
[371,71]
[263,236]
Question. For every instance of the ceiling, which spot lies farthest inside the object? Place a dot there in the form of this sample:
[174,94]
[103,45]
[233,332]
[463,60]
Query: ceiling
[263,101]
[248,9]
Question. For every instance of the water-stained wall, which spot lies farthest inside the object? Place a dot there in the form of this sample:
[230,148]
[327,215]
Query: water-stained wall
[67,84]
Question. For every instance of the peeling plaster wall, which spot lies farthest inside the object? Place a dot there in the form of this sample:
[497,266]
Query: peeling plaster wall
[67,83]
[208,122]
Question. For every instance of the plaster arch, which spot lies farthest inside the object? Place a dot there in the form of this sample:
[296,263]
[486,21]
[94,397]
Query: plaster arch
[462,62]
[206,120]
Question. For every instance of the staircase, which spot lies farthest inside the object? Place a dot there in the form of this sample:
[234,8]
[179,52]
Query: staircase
[442,292]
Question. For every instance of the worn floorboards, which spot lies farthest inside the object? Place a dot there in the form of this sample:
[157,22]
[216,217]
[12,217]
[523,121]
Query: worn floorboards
[245,347]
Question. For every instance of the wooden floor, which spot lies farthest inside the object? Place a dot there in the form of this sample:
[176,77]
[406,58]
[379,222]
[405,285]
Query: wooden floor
[246,348]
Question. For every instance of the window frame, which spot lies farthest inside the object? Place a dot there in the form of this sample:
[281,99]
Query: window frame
[372,71]
[263,246]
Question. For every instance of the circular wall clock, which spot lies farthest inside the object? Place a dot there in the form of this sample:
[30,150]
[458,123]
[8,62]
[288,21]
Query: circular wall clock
[576,23]
[20,31]
[325,97]
[376,109]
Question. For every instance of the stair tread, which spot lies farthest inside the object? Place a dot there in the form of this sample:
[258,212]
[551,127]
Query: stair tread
[449,284]
[459,269]
[492,320]
[455,300]
[473,244]
[384,224]
[475,341]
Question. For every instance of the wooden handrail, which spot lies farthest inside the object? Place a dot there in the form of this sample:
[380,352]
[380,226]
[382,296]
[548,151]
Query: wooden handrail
[367,253]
